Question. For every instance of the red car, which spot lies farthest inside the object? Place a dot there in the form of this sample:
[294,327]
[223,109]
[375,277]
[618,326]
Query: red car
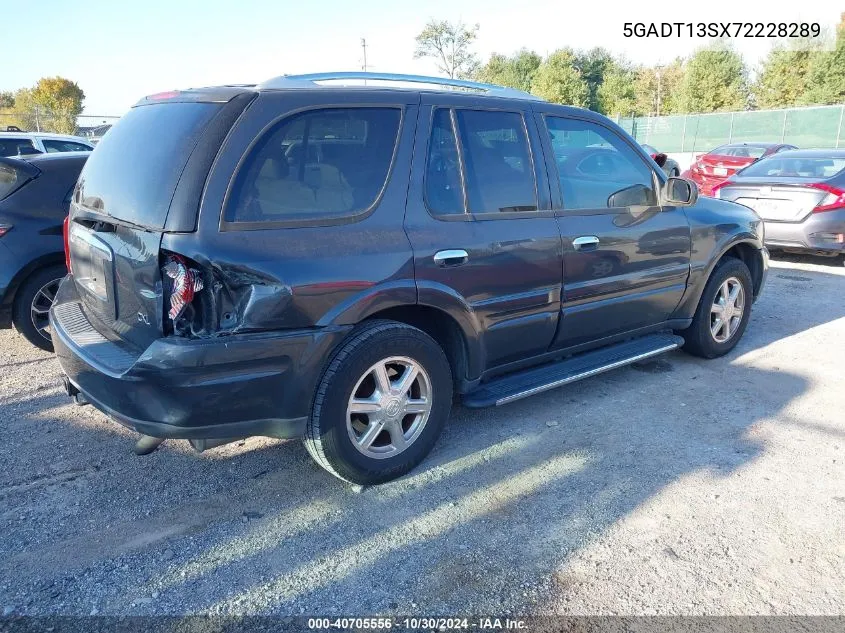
[721,163]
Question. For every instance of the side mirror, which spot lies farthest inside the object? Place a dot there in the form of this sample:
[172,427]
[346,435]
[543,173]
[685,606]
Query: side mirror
[680,192]
[660,159]
[633,196]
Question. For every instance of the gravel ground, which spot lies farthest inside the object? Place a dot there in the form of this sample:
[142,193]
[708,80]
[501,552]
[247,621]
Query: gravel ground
[679,486]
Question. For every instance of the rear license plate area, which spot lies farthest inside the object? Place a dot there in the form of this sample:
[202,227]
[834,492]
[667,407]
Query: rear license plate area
[93,269]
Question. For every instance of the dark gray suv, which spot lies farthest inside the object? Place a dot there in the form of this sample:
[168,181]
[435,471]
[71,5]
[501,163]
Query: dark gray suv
[309,258]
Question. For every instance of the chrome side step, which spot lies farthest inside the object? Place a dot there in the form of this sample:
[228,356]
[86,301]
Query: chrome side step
[537,380]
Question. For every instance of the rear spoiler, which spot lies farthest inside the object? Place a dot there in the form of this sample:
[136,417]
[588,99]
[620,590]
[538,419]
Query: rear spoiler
[216,94]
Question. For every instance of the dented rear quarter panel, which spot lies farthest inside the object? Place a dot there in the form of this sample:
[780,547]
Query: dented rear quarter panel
[304,276]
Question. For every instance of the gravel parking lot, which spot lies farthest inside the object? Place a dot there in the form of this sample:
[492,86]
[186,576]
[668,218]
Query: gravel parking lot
[678,486]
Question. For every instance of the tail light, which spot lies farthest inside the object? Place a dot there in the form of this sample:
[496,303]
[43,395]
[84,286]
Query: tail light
[5,228]
[835,198]
[185,283]
[66,240]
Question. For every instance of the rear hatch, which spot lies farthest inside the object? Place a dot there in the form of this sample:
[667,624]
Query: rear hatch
[124,204]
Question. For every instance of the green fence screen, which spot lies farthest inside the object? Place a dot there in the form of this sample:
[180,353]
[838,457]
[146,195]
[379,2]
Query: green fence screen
[804,127]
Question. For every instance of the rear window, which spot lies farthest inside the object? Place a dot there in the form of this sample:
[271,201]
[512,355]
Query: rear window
[318,165]
[10,179]
[134,171]
[796,167]
[739,151]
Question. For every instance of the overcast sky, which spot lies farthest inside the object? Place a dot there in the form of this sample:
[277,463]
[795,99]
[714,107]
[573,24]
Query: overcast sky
[118,54]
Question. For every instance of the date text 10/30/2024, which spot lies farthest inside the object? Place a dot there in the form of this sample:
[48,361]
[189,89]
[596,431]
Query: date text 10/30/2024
[416,624]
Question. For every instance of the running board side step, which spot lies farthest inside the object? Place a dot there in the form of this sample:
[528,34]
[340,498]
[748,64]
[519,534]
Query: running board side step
[529,382]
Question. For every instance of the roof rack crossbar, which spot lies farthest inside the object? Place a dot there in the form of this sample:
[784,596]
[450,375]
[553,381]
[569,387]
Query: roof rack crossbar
[297,81]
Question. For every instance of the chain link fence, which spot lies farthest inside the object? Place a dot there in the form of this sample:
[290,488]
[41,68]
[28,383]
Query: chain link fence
[91,126]
[821,127]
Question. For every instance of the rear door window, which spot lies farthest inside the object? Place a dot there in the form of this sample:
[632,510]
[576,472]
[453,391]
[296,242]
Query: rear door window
[317,165]
[498,167]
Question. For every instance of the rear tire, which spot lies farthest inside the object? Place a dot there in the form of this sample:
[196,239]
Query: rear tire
[699,338]
[368,434]
[32,301]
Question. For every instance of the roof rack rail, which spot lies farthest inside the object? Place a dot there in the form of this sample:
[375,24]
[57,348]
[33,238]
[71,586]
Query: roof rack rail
[310,80]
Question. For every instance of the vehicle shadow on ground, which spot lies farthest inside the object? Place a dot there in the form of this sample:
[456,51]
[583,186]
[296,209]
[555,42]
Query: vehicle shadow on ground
[507,496]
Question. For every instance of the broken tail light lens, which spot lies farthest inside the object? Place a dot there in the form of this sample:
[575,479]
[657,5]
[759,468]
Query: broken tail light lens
[66,240]
[185,283]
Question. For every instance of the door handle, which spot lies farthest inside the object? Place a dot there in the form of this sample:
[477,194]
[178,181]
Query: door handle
[451,257]
[585,242]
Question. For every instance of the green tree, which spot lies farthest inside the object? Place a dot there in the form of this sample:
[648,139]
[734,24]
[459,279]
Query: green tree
[450,46]
[715,80]
[558,80]
[783,77]
[594,65]
[657,89]
[7,100]
[516,71]
[826,73]
[617,93]
[52,105]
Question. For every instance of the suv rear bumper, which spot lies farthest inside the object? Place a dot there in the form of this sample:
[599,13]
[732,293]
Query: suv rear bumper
[215,388]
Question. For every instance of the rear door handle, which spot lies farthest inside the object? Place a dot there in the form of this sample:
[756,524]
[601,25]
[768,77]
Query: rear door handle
[451,257]
[585,242]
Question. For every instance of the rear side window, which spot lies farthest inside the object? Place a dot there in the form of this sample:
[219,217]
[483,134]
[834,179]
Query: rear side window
[52,146]
[317,165]
[497,161]
[134,172]
[15,146]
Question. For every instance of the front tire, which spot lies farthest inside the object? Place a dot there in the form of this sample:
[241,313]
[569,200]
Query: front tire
[32,305]
[381,404]
[723,311]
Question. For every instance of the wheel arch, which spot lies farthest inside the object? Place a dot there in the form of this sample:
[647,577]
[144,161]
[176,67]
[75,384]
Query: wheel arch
[43,261]
[743,247]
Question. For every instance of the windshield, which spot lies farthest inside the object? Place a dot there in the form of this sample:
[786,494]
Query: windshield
[133,172]
[795,167]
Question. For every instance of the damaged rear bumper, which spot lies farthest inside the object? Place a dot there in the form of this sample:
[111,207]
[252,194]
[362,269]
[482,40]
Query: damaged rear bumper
[224,387]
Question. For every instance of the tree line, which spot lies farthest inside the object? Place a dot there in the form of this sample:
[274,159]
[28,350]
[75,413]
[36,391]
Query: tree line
[51,105]
[713,79]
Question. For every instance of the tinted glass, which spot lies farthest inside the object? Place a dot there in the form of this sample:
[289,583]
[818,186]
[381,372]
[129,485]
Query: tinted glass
[740,151]
[795,167]
[53,146]
[597,168]
[134,172]
[10,179]
[15,146]
[443,177]
[497,161]
[318,164]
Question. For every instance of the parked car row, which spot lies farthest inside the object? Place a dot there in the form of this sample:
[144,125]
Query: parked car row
[800,194]
[30,143]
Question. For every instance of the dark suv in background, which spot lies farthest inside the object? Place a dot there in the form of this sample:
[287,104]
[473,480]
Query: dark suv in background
[306,259]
